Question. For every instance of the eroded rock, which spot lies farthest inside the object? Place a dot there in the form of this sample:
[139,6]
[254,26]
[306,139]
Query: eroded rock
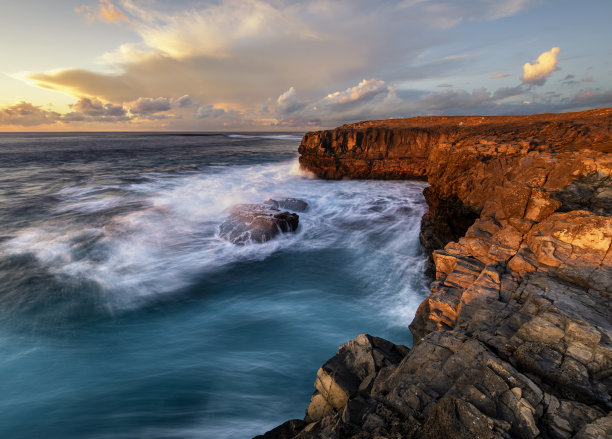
[258,223]
[515,339]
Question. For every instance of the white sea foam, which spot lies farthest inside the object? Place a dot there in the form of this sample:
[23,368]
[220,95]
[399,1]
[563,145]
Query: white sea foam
[169,234]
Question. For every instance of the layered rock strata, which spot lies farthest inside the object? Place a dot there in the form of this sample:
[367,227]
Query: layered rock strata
[515,338]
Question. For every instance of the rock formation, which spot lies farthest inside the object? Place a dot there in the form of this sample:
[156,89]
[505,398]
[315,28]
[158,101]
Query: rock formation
[515,337]
[258,223]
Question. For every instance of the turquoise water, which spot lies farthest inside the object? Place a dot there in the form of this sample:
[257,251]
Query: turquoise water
[123,315]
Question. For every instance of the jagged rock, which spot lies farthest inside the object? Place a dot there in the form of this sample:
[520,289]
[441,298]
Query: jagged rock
[601,428]
[515,339]
[350,371]
[256,223]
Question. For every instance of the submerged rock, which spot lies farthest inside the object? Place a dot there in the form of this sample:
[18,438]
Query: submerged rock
[258,223]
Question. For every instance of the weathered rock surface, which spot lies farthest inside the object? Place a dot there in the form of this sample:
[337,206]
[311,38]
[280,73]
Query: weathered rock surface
[515,339]
[258,223]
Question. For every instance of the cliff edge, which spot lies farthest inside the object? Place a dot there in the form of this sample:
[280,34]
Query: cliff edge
[515,338]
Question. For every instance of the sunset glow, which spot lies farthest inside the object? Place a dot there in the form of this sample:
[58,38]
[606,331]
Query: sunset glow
[278,65]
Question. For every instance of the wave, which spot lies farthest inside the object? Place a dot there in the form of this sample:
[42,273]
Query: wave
[156,236]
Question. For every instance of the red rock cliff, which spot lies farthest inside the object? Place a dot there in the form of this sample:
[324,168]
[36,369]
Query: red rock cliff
[515,339]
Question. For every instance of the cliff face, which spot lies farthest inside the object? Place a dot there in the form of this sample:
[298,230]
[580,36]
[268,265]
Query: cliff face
[515,337]
[380,153]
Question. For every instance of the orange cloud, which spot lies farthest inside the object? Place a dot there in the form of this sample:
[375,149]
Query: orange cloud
[106,12]
[501,75]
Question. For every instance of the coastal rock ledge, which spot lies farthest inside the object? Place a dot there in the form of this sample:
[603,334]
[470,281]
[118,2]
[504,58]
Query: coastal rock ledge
[515,339]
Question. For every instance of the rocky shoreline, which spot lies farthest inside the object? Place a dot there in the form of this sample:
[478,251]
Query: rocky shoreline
[515,337]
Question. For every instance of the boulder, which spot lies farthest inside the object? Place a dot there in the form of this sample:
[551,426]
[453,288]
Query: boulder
[256,223]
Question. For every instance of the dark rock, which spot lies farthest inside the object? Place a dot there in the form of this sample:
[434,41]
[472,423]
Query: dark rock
[256,223]
[284,431]
[446,221]
[292,204]
[349,372]
[454,418]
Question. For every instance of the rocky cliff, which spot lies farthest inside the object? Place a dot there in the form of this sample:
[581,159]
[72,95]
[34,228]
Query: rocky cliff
[515,337]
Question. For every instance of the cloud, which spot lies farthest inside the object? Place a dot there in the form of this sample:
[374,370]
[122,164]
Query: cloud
[506,92]
[375,99]
[446,14]
[591,97]
[150,105]
[217,29]
[84,110]
[365,90]
[542,68]
[294,63]
[455,99]
[288,102]
[26,114]
[106,12]
[95,108]
[243,52]
[183,101]
[209,111]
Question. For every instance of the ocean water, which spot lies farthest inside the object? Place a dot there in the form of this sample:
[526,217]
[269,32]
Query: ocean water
[123,315]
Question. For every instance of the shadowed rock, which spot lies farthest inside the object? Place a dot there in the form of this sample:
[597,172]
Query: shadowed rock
[256,223]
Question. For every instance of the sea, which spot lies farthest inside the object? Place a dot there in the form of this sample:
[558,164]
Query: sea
[124,315]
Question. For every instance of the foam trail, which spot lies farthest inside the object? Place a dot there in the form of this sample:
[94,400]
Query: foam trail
[155,236]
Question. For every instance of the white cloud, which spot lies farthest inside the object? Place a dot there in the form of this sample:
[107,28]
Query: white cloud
[217,29]
[366,89]
[542,68]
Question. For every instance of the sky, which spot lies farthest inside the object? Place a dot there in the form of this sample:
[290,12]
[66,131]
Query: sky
[289,65]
